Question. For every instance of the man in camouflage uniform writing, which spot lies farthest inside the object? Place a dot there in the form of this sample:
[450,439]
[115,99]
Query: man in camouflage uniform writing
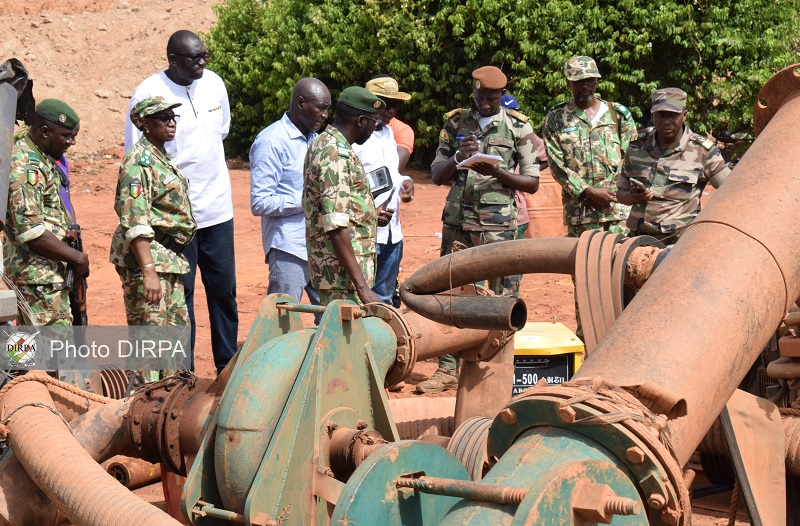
[585,140]
[341,221]
[480,207]
[664,176]
[37,226]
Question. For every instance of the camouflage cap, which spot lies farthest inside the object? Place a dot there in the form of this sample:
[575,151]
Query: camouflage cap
[151,106]
[489,78]
[579,68]
[58,112]
[669,99]
[386,87]
[361,99]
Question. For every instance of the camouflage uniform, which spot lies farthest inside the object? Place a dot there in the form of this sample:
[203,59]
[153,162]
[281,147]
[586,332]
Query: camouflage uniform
[582,155]
[35,206]
[676,177]
[152,201]
[336,194]
[480,209]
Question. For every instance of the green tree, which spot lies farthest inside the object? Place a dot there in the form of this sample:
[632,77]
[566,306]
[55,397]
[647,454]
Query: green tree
[720,52]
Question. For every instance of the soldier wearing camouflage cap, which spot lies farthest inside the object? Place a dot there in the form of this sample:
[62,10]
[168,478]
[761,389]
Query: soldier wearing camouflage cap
[341,221]
[585,139]
[480,207]
[155,221]
[663,177]
[37,226]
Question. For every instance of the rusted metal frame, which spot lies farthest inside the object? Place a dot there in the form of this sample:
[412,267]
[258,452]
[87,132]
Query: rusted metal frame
[711,269]
[464,489]
[620,268]
[593,280]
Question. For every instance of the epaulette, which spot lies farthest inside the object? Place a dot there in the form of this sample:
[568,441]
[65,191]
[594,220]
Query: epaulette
[560,104]
[622,109]
[146,158]
[450,114]
[34,159]
[517,115]
[705,142]
[342,150]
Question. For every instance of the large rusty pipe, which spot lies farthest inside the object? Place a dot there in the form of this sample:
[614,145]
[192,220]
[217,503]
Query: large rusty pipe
[739,261]
[435,339]
[523,256]
[62,468]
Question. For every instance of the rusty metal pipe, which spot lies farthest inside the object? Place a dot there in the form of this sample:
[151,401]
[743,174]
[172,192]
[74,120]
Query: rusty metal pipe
[435,339]
[61,467]
[134,473]
[735,262]
[522,256]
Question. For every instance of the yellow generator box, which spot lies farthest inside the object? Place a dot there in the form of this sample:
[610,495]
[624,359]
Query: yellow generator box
[545,350]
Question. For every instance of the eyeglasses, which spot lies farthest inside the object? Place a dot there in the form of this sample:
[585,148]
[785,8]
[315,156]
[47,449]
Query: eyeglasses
[166,119]
[376,121]
[194,59]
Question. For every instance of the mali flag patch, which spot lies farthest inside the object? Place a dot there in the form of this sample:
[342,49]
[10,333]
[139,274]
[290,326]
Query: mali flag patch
[33,177]
[136,188]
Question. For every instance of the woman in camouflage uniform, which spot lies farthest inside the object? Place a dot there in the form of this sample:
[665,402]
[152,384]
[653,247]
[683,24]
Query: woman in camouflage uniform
[155,221]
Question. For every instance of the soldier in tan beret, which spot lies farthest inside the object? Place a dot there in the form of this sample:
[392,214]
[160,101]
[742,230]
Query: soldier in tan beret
[480,207]
[663,177]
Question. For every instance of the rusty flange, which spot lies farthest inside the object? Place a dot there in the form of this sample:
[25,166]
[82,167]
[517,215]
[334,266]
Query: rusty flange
[622,424]
[406,345]
[154,419]
[782,87]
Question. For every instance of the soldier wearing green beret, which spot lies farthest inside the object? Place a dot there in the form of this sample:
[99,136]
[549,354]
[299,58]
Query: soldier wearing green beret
[155,221]
[663,177]
[37,226]
[341,221]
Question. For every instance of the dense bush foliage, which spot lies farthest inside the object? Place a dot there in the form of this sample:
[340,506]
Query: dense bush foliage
[721,52]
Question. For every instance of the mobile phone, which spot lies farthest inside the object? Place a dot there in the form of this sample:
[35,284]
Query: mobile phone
[637,183]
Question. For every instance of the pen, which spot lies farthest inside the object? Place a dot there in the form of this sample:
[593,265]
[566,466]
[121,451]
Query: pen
[462,137]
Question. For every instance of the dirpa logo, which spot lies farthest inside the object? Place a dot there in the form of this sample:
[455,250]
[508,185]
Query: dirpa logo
[21,348]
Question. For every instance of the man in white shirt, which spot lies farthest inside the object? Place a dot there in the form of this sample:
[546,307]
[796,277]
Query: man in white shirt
[380,152]
[276,188]
[198,152]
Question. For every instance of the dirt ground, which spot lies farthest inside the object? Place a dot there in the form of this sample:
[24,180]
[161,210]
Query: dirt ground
[92,53]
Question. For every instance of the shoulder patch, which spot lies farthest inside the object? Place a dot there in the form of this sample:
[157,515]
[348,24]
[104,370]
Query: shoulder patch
[705,142]
[33,176]
[450,114]
[517,115]
[136,188]
[621,109]
[443,136]
[559,105]
[33,158]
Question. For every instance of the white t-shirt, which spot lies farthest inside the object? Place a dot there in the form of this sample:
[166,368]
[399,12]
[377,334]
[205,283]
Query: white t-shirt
[381,150]
[205,118]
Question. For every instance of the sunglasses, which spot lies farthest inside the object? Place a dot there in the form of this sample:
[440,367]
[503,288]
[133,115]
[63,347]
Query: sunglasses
[194,59]
[166,119]
[376,121]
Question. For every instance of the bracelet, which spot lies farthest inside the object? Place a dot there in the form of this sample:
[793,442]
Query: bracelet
[151,264]
[455,157]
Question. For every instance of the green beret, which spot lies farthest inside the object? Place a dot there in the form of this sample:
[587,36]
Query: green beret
[58,112]
[361,99]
